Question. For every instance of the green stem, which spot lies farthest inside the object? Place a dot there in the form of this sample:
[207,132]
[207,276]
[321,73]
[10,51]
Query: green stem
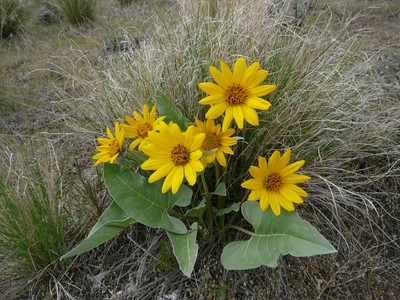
[221,199]
[242,230]
[209,212]
[238,213]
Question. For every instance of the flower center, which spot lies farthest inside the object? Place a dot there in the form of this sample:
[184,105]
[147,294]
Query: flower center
[114,147]
[143,129]
[180,155]
[273,182]
[236,94]
[210,142]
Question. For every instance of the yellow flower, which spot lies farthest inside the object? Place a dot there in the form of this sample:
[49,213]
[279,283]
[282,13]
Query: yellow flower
[111,147]
[275,184]
[139,128]
[236,93]
[173,154]
[215,139]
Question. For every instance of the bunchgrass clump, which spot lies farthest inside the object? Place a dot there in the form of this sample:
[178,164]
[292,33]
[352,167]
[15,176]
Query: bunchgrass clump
[12,16]
[77,12]
[125,2]
[39,217]
[325,109]
[33,225]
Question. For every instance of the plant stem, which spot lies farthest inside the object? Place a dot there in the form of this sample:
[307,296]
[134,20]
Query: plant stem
[209,212]
[221,199]
[238,212]
[242,229]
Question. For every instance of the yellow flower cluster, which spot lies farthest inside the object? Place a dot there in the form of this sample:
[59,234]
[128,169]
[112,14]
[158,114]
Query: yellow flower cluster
[176,155]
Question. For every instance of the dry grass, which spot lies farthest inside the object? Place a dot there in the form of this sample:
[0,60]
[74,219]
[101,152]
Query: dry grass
[330,108]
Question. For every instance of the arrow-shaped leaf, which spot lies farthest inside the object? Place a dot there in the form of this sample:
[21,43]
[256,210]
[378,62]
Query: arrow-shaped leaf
[111,222]
[223,211]
[185,249]
[198,210]
[166,107]
[143,201]
[274,236]
[220,190]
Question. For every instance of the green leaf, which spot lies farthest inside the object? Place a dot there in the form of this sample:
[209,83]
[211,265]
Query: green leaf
[185,249]
[111,222]
[209,152]
[143,201]
[227,210]
[198,210]
[166,107]
[136,156]
[220,190]
[274,236]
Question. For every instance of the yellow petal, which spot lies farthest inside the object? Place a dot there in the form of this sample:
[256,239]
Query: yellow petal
[285,159]
[274,202]
[227,73]
[197,165]
[262,90]
[210,126]
[177,179]
[238,115]
[134,143]
[175,130]
[262,162]
[256,172]
[160,172]
[259,77]
[292,168]
[153,114]
[154,163]
[110,135]
[239,69]
[209,159]
[290,195]
[221,158]
[190,174]
[258,103]
[285,203]
[255,195]
[273,161]
[298,190]
[228,141]
[213,99]
[103,148]
[218,77]
[211,88]
[200,125]
[101,155]
[138,117]
[265,201]
[195,155]
[168,181]
[226,150]
[250,115]
[296,178]
[104,141]
[197,142]
[251,184]
[216,110]
[228,118]
[152,151]
[145,111]
[113,158]
[250,74]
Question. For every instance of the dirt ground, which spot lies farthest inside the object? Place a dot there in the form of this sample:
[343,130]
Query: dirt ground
[27,77]
[28,81]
